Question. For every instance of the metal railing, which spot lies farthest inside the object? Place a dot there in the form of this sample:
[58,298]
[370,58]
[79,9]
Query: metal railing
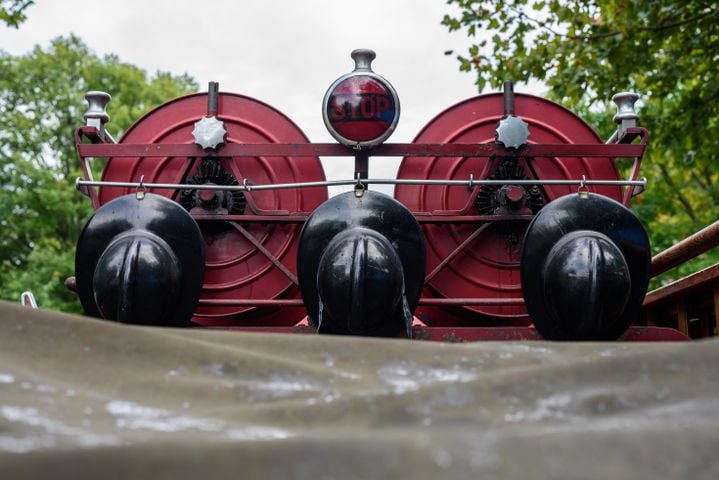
[247,186]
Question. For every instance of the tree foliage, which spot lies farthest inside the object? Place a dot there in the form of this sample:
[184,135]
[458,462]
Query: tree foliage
[12,12]
[41,103]
[587,50]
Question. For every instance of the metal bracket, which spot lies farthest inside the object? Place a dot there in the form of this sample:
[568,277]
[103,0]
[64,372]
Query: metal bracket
[27,299]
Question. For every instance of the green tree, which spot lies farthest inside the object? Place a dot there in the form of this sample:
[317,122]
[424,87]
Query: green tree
[41,103]
[587,50]
[12,12]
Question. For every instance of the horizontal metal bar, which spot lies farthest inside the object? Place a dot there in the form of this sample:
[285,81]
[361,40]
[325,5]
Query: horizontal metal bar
[421,217]
[246,302]
[299,303]
[248,187]
[459,302]
[274,219]
[337,150]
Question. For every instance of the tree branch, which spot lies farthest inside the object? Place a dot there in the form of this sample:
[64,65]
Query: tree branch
[650,28]
[699,180]
[539,23]
[685,203]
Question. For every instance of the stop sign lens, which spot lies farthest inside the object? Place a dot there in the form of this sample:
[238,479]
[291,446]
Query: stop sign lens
[361,108]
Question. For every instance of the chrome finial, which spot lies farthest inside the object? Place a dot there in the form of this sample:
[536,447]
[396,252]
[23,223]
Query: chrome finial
[96,115]
[363,58]
[626,116]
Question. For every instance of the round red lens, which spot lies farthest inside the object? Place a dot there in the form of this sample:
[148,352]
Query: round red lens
[361,108]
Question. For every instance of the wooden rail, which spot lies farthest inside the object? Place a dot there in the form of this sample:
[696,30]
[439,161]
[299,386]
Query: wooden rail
[690,304]
[696,244]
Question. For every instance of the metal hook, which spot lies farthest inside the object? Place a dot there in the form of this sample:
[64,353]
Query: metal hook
[471,182]
[583,190]
[359,187]
[246,184]
[140,190]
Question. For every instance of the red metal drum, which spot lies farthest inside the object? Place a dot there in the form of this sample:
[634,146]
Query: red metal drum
[489,266]
[235,268]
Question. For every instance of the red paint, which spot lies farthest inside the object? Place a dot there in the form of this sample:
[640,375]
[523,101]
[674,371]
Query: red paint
[207,195]
[428,150]
[514,194]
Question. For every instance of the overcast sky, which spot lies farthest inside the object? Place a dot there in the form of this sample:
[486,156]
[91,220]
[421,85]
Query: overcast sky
[285,53]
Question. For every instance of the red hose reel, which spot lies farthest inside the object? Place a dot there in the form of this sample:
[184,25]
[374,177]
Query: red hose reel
[236,266]
[488,265]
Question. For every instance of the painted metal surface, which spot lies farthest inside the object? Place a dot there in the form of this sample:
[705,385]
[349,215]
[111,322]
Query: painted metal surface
[235,266]
[431,149]
[489,266]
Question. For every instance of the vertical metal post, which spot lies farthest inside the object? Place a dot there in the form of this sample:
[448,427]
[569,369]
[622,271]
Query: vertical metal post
[213,90]
[508,98]
[361,165]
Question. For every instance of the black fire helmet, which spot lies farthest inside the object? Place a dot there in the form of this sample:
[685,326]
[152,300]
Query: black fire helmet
[140,261]
[356,249]
[584,268]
